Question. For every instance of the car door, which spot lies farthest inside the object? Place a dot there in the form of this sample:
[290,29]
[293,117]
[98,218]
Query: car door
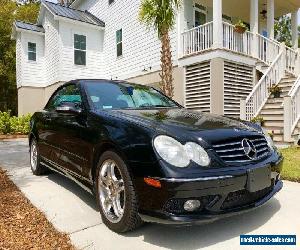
[47,129]
[69,130]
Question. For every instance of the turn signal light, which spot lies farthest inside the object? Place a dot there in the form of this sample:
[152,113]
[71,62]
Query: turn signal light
[152,182]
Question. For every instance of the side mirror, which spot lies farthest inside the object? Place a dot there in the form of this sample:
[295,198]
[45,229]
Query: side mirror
[68,108]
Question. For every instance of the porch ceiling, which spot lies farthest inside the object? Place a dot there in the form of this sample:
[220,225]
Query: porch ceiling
[241,8]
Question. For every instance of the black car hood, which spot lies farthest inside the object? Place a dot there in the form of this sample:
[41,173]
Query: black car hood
[185,123]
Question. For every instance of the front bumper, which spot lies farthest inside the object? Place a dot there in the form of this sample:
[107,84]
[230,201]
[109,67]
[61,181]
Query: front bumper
[220,197]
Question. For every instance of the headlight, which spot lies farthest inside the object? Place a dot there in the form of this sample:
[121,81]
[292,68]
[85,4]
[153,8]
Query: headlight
[269,139]
[178,155]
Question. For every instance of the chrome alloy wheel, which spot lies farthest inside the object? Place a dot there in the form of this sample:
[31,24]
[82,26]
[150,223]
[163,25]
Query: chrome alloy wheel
[33,155]
[111,191]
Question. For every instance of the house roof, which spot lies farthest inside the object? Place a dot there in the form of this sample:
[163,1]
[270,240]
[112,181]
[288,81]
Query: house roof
[29,26]
[78,15]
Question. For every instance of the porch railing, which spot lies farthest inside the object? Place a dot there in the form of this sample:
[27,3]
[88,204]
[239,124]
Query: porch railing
[197,39]
[295,103]
[268,49]
[260,93]
[235,41]
[291,60]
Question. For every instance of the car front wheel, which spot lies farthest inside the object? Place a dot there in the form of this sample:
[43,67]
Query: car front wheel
[116,195]
[36,167]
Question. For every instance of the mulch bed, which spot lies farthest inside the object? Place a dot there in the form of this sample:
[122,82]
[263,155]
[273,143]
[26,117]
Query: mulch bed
[23,226]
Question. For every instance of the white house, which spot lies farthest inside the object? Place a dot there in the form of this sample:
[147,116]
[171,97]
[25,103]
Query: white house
[216,69]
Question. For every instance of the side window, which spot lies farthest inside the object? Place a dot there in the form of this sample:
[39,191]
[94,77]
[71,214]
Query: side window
[31,51]
[79,49]
[119,38]
[70,93]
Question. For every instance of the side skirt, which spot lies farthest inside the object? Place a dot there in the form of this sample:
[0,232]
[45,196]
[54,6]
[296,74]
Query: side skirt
[52,166]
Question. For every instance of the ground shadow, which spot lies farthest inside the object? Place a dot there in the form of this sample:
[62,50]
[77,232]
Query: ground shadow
[196,237]
[70,185]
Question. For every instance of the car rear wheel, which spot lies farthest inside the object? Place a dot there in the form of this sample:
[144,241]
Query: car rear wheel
[36,167]
[116,195]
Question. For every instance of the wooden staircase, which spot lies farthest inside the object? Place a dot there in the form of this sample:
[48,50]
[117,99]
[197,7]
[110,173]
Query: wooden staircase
[272,112]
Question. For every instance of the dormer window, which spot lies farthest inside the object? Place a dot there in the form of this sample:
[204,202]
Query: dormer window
[79,49]
[31,51]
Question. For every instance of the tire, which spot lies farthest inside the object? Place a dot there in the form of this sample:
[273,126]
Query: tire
[114,196]
[35,165]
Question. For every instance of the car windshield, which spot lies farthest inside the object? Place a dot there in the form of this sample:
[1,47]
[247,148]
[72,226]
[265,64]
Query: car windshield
[109,95]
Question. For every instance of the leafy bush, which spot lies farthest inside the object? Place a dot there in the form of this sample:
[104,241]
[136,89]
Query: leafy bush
[258,119]
[14,125]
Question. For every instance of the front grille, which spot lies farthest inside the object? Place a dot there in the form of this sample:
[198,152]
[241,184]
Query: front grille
[244,197]
[233,152]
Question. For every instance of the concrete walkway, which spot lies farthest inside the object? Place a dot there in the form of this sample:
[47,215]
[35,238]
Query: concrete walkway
[72,210]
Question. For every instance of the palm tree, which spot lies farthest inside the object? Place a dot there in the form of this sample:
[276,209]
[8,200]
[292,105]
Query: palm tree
[161,15]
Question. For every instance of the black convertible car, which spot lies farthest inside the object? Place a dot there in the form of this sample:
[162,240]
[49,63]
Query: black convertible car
[146,158]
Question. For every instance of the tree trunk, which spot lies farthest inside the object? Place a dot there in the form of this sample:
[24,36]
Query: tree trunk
[166,75]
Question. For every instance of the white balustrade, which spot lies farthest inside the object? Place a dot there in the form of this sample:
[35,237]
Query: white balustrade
[238,42]
[261,91]
[268,49]
[197,39]
[295,104]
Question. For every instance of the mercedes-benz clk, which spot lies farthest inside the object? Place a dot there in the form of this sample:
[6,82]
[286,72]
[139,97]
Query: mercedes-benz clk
[146,158]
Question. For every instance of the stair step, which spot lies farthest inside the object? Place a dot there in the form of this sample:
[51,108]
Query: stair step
[278,138]
[273,106]
[273,117]
[274,131]
[275,100]
[277,111]
[273,123]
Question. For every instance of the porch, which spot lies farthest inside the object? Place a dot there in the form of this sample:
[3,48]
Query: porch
[206,25]
[230,73]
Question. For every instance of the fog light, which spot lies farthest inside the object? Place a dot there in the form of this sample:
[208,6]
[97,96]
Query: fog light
[191,205]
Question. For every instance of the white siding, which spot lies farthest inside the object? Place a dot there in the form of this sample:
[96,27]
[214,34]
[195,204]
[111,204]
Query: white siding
[32,73]
[141,47]
[51,48]
[94,55]
[18,60]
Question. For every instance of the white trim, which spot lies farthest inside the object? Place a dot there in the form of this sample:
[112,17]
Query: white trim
[72,21]
[210,54]
[29,31]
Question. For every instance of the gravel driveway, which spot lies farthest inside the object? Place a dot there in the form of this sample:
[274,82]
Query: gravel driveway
[72,210]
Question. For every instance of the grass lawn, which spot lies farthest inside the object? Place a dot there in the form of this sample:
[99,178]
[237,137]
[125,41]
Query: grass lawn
[291,165]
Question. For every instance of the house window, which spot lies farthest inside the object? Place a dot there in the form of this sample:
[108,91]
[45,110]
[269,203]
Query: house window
[119,42]
[110,1]
[79,49]
[32,51]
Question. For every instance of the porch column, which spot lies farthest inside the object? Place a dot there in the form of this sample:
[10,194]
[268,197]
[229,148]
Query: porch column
[270,18]
[254,26]
[217,24]
[180,28]
[295,29]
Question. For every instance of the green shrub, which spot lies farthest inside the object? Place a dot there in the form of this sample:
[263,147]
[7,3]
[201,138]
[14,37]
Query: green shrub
[5,122]
[258,119]
[14,125]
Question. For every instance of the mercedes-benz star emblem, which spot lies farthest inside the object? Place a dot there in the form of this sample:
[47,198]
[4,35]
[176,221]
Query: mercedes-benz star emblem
[249,149]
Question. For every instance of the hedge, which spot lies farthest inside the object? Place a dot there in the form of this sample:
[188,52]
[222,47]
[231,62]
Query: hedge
[14,125]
